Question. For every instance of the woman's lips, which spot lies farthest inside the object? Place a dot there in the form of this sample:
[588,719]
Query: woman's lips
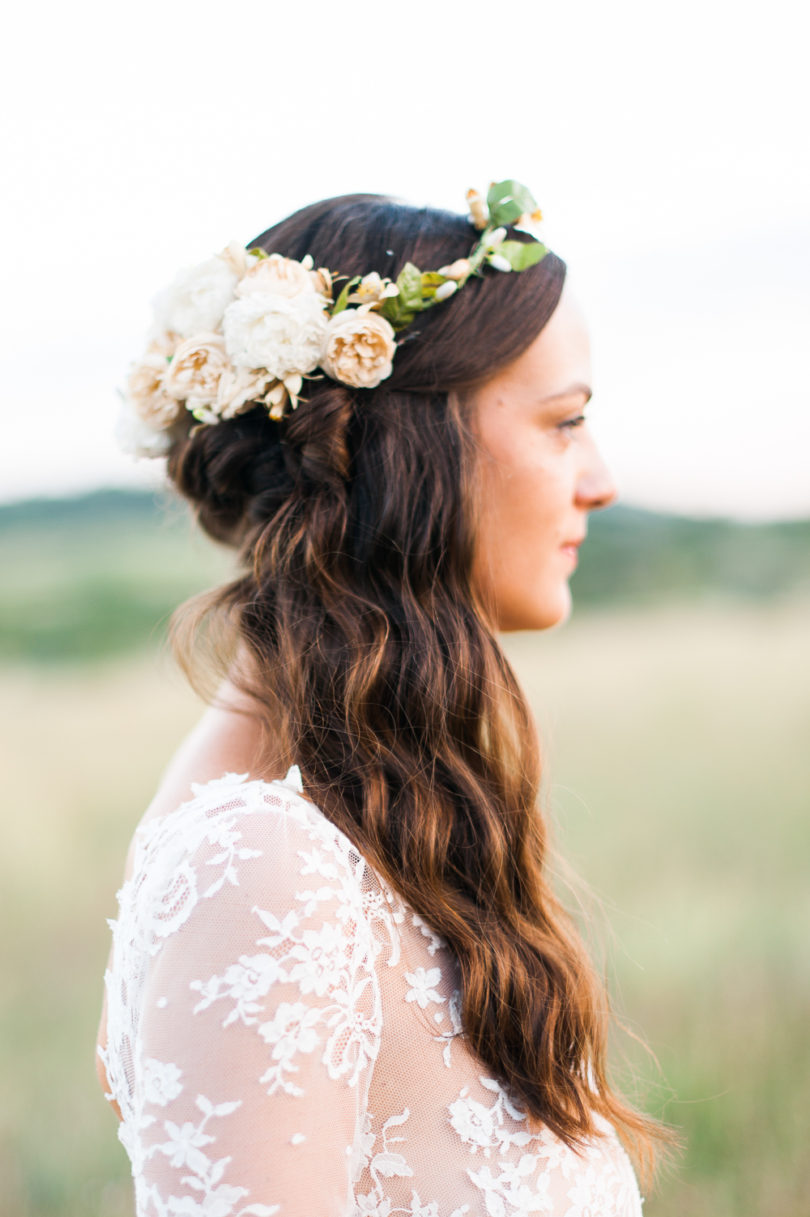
[571,549]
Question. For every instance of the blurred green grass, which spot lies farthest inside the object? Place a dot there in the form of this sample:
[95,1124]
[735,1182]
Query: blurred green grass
[95,576]
[677,780]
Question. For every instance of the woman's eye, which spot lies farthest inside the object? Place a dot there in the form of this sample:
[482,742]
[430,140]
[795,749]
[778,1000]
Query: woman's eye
[570,424]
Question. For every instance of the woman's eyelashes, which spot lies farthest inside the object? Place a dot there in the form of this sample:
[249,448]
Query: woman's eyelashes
[570,424]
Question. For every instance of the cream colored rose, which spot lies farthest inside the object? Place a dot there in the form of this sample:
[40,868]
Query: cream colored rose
[359,348]
[276,274]
[239,390]
[146,389]
[195,371]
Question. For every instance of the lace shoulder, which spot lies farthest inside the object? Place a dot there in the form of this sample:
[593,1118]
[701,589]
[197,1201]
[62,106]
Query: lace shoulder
[244,979]
[269,1058]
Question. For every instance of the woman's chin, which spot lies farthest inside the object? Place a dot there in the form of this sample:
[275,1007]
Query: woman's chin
[542,613]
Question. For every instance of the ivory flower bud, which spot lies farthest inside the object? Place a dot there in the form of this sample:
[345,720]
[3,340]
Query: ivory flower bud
[498,262]
[445,290]
[459,269]
[276,399]
[496,238]
[479,212]
[279,275]
[359,348]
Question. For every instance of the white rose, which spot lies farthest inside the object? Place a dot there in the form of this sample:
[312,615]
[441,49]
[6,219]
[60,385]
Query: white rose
[359,348]
[276,274]
[281,334]
[195,371]
[198,297]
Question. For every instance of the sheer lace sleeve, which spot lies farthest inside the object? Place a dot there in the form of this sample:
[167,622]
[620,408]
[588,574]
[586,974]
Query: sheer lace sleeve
[243,1007]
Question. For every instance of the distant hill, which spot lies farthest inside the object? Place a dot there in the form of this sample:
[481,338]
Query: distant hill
[101,573]
[635,556]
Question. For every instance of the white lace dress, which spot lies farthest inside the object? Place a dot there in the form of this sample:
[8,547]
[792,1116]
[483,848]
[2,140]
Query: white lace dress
[283,1037]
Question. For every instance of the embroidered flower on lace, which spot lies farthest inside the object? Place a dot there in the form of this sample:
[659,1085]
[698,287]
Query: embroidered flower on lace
[510,1188]
[387,1163]
[167,889]
[171,900]
[355,1038]
[487,1128]
[322,956]
[316,864]
[422,986]
[244,982]
[590,1193]
[322,962]
[184,1147]
[384,912]
[290,1031]
[161,1082]
[472,1121]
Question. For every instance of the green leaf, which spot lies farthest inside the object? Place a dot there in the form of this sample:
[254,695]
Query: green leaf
[507,212]
[409,282]
[396,312]
[340,303]
[507,201]
[522,254]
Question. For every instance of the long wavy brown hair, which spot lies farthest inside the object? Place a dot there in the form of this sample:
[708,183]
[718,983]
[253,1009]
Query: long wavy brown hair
[375,662]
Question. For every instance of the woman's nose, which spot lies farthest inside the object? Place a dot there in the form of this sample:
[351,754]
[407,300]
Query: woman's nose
[595,487]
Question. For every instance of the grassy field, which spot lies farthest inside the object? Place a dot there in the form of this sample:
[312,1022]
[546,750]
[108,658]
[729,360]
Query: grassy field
[678,782]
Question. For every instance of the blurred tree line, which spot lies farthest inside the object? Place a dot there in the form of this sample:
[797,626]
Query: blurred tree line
[98,575]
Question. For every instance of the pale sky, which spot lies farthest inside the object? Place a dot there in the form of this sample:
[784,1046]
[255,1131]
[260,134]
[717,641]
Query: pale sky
[666,145]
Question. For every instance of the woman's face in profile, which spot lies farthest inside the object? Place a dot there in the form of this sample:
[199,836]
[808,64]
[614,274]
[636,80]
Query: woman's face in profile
[540,476]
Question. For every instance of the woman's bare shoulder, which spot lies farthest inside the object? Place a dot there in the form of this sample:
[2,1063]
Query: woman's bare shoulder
[229,738]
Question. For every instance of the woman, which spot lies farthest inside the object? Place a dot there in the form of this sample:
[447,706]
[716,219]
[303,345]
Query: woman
[340,982]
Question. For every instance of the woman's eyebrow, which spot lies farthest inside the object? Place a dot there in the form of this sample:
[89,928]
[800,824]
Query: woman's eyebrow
[575,390]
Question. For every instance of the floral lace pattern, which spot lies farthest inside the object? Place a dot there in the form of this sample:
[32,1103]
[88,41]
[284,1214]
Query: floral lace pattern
[284,1037]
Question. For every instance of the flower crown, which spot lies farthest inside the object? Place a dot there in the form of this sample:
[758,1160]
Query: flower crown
[245,327]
